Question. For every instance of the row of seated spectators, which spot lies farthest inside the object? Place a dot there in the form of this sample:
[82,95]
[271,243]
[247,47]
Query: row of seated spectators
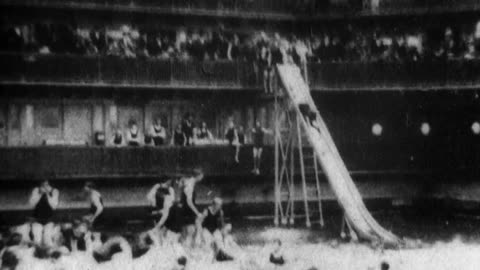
[186,133]
[334,44]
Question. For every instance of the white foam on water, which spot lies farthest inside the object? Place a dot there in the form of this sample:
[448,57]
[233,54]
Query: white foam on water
[298,253]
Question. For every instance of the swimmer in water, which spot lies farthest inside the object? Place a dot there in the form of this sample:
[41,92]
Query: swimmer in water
[115,253]
[276,257]
[74,236]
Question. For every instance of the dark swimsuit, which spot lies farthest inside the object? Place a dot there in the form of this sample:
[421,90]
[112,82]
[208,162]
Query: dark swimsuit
[157,140]
[258,135]
[43,212]
[277,260]
[134,136]
[187,128]
[188,217]
[241,138]
[230,135]
[212,222]
[117,140]
[178,138]
[172,220]
[68,236]
[203,134]
[222,256]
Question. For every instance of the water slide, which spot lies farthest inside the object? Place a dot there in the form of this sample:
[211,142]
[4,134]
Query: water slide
[332,164]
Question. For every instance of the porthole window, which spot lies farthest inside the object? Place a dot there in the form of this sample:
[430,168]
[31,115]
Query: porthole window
[425,128]
[377,129]
[476,128]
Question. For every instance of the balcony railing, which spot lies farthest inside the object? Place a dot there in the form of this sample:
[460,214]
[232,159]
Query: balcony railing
[124,71]
[268,8]
[361,159]
[116,71]
[387,75]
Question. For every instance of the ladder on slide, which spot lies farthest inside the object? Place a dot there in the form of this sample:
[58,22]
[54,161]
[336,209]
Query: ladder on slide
[297,94]
[310,174]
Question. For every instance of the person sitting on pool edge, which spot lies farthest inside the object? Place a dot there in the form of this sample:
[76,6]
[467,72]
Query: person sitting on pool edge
[44,199]
[212,220]
[158,132]
[224,246]
[133,135]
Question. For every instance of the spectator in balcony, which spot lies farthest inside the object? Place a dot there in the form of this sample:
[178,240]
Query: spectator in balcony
[234,49]
[378,48]
[338,51]
[117,139]
[400,48]
[126,45]
[258,137]
[13,39]
[44,200]
[158,133]
[203,134]
[265,63]
[154,45]
[113,47]
[231,133]
[142,49]
[240,142]
[99,40]
[178,138]
[95,215]
[187,128]
[65,39]
[223,47]
[352,53]
[471,53]
[196,46]
[133,135]
[277,55]
[448,48]
[251,56]
[476,38]
[90,48]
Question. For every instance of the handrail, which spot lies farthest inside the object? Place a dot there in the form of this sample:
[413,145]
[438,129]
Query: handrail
[96,71]
[273,9]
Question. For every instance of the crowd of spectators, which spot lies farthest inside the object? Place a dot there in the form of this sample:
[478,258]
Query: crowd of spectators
[186,133]
[334,44]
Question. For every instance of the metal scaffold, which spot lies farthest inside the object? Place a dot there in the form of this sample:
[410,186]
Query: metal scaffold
[293,160]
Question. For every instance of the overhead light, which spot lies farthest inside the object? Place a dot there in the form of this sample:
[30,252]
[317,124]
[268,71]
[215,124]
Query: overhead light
[475,128]
[425,128]
[377,129]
